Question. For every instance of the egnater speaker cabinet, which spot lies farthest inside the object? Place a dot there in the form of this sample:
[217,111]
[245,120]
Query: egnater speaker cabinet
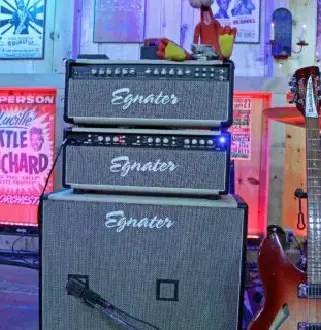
[149,93]
[176,263]
[149,161]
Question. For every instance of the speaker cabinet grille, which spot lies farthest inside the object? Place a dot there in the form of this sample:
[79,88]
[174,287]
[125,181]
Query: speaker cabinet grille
[201,252]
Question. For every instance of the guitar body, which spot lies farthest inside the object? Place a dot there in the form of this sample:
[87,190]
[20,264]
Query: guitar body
[282,308]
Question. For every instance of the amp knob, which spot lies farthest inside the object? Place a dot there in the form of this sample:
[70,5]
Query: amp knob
[117,72]
[180,72]
[94,71]
[163,72]
[125,72]
[171,72]
[156,72]
[101,72]
[108,72]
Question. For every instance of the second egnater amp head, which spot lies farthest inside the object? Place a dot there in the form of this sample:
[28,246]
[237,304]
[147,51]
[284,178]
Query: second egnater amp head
[147,161]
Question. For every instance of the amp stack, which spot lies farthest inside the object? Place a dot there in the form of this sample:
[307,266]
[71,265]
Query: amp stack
[149,236]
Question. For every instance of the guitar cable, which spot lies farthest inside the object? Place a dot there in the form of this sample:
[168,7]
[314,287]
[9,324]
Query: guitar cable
[81,290]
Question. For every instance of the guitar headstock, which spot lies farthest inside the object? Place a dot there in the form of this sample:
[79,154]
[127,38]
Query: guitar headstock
[306,90]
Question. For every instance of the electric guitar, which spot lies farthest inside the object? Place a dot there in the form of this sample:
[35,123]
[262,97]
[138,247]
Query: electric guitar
[292,297]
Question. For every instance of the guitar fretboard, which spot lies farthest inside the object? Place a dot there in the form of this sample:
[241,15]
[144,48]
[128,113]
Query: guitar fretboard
[314,199]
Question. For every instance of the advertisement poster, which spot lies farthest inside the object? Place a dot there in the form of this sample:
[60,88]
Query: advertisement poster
[241,129]
[27,135]
[22,24]
[119,21]
[242,14]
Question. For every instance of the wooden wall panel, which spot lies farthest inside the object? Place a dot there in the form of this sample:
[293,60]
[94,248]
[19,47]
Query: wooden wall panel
[249,181]
[250,59]
[294,176]
[275,154]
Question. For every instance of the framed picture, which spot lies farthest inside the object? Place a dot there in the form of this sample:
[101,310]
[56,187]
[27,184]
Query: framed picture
[119,21]
[22,26]
[242,14]
[241,128]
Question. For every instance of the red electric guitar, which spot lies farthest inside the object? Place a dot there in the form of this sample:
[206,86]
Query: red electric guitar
[293,298]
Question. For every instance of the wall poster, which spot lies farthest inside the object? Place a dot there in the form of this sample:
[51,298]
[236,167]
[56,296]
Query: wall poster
[119,21]
[27,135]
[241,128]
[22,25]
[242,14]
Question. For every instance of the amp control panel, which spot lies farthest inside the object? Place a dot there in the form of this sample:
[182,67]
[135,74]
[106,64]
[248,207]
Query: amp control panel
[219,142]
[149,70]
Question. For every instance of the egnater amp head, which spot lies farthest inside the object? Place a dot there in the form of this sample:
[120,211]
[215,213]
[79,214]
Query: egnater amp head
[148,161]
[149,93]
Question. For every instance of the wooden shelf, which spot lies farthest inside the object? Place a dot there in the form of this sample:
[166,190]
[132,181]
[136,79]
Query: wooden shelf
[286,115]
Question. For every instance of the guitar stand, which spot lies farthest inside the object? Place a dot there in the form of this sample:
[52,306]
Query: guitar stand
[300,194]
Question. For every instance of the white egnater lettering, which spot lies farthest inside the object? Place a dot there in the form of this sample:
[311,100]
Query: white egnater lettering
[311,109]
[123,165]
[124,97]
[117,220]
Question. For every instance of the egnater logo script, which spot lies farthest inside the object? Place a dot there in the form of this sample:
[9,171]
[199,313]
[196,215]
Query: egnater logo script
[123,165]
[117,219]
[124,97]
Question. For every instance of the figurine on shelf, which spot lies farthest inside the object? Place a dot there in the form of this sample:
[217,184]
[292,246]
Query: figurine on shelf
[211,40]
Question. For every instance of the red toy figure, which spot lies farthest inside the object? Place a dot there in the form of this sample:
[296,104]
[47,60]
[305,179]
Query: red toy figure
[208,31]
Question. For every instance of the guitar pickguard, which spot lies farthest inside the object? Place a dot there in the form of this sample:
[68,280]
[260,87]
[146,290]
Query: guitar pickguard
[280,318]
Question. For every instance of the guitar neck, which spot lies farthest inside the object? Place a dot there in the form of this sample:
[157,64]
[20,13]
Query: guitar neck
[314,199]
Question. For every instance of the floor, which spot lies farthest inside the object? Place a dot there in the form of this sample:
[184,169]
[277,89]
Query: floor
[18,298]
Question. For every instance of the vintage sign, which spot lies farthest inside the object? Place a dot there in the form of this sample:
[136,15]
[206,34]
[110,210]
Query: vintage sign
[119,21]
[241,129]
[242,14]
[27,135]
[22,25]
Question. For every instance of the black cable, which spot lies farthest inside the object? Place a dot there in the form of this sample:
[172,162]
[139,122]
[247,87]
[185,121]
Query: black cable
[53,168]
[15,241]
[18,264]
[79,289]
[47,180]
[136,319]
